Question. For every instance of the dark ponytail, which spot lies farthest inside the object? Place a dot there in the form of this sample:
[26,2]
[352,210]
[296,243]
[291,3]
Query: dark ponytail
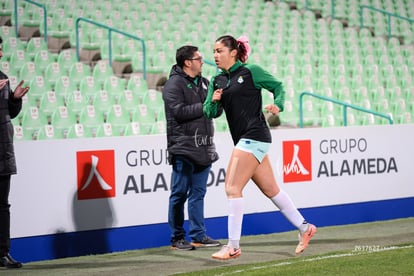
[241,45]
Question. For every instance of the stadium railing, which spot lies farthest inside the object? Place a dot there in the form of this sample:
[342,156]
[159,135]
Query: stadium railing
[345,106]
[16,25]
[387,13]
[110,30]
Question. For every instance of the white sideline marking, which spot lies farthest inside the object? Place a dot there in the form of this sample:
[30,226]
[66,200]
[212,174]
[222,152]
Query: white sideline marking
[353,253]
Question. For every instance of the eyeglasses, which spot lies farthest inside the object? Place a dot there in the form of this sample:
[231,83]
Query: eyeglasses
[197,58]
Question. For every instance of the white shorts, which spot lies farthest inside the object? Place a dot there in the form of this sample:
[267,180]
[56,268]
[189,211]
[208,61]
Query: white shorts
[258,149]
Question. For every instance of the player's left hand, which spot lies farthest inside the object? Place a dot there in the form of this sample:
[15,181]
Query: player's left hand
[272,108]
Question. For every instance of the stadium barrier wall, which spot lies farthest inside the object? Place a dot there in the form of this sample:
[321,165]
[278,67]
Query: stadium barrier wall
[88,196]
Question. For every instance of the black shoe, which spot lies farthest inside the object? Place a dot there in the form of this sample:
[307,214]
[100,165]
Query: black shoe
[181,244]
[206,242]
[8,262]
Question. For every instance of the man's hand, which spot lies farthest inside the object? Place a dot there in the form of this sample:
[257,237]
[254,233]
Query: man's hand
[3,83]
[20,91]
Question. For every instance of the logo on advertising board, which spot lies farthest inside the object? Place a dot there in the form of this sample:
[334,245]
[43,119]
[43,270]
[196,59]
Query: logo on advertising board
[96,174]
[297,161]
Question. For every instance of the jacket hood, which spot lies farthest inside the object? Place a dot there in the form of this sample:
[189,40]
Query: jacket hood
[178,71]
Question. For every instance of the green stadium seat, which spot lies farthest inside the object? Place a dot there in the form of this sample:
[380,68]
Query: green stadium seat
[49,102]
[117,115]
[78,131]
[146,118]
[153,98]
[351,118]
[132,129]
[35,45]
[383,106]
[311,115]
[43,58]
[66,58]
[38,86]
[7,69]
[118,119]
[88,87]
[137,85]
[107,130]
[366,103]
[28,71]
[18,58]
[49,132]
[21,135]
[31,133]
[7,31]
[78,71]
[53,72]
[63,119]
[90,117]
[368,119]
[128,100]
[14,81]
[290,114]
[114,85]
[29,100]
[81,131]
[13,46]
[399,106]
[76,102]
[102,71]
[33,118]
[405,118]
[159,127]
[330,121]
[160,114]
[160,62]
[103,101]
[64,86]
[328,107]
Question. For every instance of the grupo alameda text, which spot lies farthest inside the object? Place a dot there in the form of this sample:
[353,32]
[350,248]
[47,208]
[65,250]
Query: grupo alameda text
[148,183]
[355,166]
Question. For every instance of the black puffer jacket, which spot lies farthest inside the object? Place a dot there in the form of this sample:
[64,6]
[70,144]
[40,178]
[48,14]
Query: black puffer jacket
[9,108]
[189,132]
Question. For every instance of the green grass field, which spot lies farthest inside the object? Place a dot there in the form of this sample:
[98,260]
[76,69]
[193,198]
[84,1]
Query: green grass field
[392,260]
[384,247]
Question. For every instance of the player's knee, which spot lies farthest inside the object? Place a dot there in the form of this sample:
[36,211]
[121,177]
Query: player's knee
[233,192]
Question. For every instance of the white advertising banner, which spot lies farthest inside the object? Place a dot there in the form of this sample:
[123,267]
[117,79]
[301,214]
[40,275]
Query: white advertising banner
[84,184]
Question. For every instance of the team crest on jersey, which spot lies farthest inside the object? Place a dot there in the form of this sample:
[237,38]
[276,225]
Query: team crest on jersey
[240,79]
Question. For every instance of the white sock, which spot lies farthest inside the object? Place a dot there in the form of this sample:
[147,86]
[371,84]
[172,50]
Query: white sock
[235,220]
[289,210]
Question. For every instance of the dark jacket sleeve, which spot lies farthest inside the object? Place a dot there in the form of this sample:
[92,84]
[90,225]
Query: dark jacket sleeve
[14,106]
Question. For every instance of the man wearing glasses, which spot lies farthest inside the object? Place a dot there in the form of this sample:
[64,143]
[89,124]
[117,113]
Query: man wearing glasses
[190,147]
[10,106]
